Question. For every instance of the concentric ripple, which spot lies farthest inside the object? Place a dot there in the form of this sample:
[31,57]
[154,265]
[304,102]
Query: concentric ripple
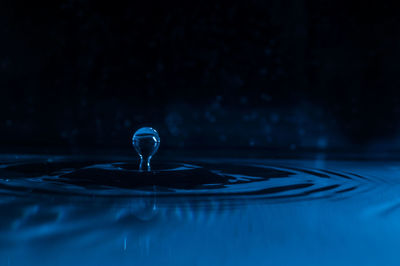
[212,178]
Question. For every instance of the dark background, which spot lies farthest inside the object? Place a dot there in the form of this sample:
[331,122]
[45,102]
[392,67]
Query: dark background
[289,75]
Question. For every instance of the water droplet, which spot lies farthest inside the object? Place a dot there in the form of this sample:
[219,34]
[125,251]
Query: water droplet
[146,142]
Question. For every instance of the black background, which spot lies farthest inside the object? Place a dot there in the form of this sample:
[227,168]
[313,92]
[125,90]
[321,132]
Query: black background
[298,74]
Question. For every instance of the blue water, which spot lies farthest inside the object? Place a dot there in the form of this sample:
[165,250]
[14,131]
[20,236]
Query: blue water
[58,210]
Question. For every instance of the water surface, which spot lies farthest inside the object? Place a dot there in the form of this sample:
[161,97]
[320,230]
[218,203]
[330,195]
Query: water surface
[59,210]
